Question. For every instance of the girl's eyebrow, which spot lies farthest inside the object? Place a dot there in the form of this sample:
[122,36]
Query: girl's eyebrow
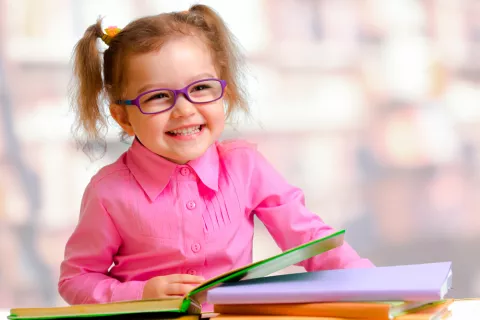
[200,77]
[162,85]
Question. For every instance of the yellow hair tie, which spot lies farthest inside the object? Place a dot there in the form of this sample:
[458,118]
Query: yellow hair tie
[109,34]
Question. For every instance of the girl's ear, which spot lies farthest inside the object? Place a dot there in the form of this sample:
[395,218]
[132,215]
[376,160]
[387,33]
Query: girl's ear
[121,117]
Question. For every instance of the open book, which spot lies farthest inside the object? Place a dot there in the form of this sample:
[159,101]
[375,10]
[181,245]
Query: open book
[191,302]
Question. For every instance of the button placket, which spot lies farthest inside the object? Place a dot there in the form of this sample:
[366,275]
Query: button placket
[191,201]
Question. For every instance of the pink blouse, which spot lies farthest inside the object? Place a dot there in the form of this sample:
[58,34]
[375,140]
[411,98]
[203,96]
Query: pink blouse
[144,216]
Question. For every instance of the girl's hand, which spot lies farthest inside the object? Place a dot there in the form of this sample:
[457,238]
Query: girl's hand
[174,285]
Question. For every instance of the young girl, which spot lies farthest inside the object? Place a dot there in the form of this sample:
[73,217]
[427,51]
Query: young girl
[178,207]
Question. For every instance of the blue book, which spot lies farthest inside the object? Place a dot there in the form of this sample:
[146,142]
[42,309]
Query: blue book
[417,282]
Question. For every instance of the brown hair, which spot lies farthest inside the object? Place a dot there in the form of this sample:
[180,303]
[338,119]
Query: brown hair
[98,83]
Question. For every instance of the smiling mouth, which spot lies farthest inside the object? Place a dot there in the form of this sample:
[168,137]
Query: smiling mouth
[186,131]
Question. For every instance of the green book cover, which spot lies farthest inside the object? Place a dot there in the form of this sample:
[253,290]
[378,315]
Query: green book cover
[190,303]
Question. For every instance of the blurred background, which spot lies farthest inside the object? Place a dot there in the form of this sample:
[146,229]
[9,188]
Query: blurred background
[370,106]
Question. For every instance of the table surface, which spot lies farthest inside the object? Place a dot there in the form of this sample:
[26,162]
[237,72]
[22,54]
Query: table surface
[461,310]
[465,309]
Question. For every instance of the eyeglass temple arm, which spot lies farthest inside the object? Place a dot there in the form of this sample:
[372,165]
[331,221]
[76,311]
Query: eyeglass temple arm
[127,102]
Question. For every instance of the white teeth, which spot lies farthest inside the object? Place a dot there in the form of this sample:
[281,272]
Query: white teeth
[186,131]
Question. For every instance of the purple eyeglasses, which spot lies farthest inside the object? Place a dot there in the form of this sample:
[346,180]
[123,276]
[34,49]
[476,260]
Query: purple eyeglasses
[161,100]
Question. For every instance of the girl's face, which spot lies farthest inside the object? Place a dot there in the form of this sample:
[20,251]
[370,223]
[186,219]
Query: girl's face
[187,130]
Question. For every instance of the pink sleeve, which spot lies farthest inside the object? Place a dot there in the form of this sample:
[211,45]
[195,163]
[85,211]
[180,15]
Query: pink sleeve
[89,254]
[281,207]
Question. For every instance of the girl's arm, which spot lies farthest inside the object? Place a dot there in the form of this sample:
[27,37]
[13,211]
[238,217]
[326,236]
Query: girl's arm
[281,207]
[89,255]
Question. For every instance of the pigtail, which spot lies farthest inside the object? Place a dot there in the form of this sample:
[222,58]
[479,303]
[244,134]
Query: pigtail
[228,55]
[88,88]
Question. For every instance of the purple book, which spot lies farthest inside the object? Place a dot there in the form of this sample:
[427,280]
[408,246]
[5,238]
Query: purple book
[418,282]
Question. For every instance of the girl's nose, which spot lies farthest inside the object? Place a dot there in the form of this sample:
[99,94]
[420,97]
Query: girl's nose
[183,108]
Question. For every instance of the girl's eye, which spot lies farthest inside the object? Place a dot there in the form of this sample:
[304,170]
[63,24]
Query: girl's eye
[200,87]
[157,96]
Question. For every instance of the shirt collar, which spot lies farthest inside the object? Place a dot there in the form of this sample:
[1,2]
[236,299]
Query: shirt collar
[153,172]
[207,167]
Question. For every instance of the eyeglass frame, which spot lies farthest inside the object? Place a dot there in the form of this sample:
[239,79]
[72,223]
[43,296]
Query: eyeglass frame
[176,94]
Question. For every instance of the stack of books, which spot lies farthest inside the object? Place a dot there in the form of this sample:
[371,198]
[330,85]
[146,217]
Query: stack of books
[407,292]
[395,292]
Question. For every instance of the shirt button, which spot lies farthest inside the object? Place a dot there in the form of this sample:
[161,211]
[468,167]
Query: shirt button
[196,247]
[192,272]
[184,171]
[191,205]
